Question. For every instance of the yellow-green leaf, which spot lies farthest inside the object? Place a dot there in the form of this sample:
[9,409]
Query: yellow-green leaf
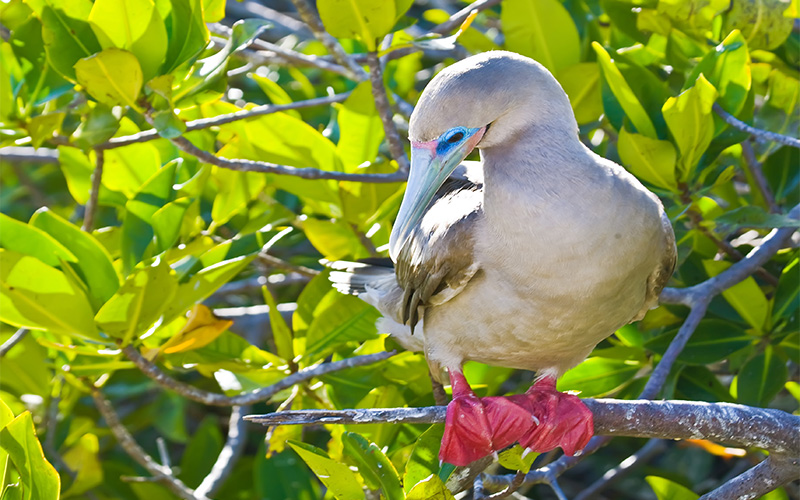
[39,479]
[689,119]
[366,20]
[542,30]
[745,297]
[651,160]
[112,76]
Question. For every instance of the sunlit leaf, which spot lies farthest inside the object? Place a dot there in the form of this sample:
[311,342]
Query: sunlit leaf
[39,479]
[430,488]
[201,329]
[651,160]
[375,468]
[761,378]
[363,19]
[112,77]
[336,476]
[597,376]
[689,119]
[542,30]
[668,490]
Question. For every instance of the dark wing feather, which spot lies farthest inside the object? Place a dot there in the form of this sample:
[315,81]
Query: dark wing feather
[437,261]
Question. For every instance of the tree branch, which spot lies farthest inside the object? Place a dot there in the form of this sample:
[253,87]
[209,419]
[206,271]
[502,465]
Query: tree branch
[733,424]
[160,473]
[757,132]
[247,398]
[645,453]
[771,473]
[94,193]
[234,446]
[758,176]
[459,17]
[313,21]
[24,154]
[12,341]
[385,112]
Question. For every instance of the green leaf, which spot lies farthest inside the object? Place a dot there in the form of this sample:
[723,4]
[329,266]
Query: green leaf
[598,376]
[275,92]
[99,125]
[38,478]
[167,222]
[132,25]
[334,239]
[787,296]
[83,459]
[581,82]
[234,189]
[668,490]
[167,124]
[6,416]
[360,128]
[344,319]
[30,240]
[94,263]
[365,20]
[67,35]
[373,464]
[188,33]
[713,340]
[213,10]
[77,170]
[761,378]
[512,459]
[112,77]
[542,30]
[281,334]
[745,297]
[337,477]
[651,160]
[624,94]
[727,68]
[203,284]
[424,459]
[430,488]
[697,383]
[138,303]
[35,295]
[762,23]
[280,478]
[41,127]
[201,452]
[689,119]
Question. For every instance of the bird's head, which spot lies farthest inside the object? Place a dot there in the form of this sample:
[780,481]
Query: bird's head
[484,101]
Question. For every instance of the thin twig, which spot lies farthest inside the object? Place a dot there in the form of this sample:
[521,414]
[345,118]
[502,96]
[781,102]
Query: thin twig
[214,121]
[773,472]
[233,449]
[36,195]
[385,112]
[738,425]
[247,398]
[459,17]
[132,448]
[757,132]
[94,194]
[758,176]
[313,21]
[516,483]
[25,154]
[240,165]
[642,456]
[276,262]
[12,341]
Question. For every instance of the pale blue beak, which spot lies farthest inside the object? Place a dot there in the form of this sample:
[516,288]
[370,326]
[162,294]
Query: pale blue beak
[431,165]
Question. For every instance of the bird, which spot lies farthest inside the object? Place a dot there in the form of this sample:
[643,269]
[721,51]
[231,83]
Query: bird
[525,259]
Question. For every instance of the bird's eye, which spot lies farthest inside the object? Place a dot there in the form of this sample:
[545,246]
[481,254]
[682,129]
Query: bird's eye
[455,137]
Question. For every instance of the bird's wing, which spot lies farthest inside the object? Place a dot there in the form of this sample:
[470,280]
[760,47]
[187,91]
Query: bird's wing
[437,262]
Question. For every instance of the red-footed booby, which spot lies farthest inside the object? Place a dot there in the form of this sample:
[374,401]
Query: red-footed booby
[526,260]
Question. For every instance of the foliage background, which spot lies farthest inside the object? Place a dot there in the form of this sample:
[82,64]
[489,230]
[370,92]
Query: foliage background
[108,243]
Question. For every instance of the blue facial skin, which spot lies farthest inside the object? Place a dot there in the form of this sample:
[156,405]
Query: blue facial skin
[453,137]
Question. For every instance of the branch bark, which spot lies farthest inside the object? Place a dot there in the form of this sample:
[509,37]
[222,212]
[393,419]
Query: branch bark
[385,112]
[247,398]
[160,473]
[757,132]
[732,424]
[234,446]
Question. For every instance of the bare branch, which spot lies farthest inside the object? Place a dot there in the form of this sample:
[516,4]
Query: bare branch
[773,472]
[94,193]
[645,453]
[733,424]
[757,132]
[247,398]
[23,154]
[516,483]
[385,112]
[161,473]
[758,176]
[234,446]
[273,261]
[203,123]
[313,21]
[661,372]
[459,17]
[240,165]
[12,341]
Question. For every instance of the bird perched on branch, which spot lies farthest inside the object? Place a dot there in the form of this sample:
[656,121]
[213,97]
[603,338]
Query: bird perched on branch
[526,259]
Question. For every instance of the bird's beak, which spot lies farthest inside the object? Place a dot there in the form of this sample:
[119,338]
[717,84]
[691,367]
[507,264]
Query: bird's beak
[429,170]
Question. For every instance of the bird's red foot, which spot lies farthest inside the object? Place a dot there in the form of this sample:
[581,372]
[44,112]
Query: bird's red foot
[563,420]
[467,434]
